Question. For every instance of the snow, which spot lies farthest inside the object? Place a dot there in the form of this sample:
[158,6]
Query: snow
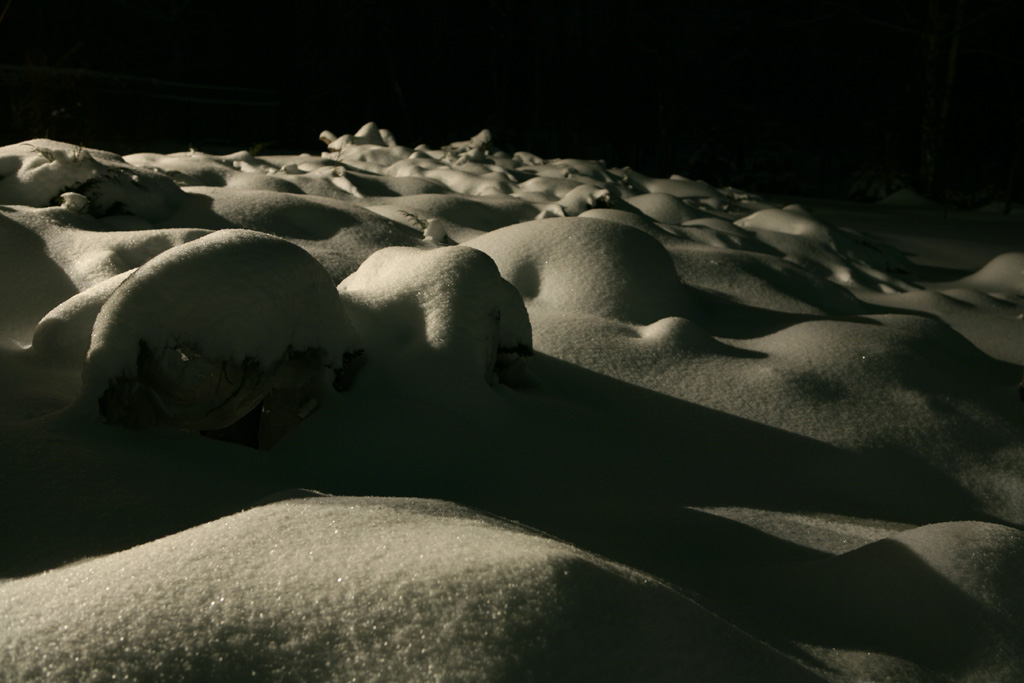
[36,172]
[570,422]
[198,335]
[588,266]
[354,589]
[446,307]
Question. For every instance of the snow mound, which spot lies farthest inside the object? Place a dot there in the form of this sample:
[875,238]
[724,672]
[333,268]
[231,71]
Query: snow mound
[38,172]
[682,188]
[1004,274]
[31,282]
[723,393]
[65,333]
[664,208]
[366,589]
[940,392]
[765,281]
[909,199]
[845,259]
[340,234]
[589,266]
[460,215]
[786,221]
[944,595]
[446,307]
[200,334]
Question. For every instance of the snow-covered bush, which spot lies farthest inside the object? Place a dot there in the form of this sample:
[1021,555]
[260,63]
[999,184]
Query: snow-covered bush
[204,333]
[447,307]
[39,172]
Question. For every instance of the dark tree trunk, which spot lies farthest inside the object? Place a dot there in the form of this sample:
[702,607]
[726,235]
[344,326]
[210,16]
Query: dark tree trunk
[1018,148]
[940,44]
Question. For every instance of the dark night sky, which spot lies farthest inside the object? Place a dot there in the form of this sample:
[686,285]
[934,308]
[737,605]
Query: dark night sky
[770,96]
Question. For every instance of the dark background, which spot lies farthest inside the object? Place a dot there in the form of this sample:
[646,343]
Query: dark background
[815,97]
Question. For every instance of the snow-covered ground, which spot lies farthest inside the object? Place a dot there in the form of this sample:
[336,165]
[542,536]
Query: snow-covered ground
[393,413]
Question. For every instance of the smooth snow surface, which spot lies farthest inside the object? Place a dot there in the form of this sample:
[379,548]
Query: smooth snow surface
[570,422]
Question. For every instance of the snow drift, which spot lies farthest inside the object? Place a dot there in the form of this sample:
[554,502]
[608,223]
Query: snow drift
[568,422]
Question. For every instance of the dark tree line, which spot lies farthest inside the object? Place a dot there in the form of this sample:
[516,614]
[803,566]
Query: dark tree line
[793,98]
[951,36]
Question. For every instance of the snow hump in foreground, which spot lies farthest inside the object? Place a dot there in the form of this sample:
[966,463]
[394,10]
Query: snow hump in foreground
[327,589]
